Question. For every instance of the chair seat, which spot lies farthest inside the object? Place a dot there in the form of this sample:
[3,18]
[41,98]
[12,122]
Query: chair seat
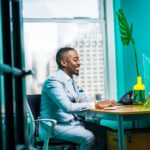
[54,142]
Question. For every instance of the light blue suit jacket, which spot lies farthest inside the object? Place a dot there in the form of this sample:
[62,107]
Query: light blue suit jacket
[59,99]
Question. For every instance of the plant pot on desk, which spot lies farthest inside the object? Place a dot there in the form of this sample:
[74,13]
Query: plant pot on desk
[139,92]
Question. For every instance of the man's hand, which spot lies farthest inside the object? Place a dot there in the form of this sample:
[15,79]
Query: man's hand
[105,103]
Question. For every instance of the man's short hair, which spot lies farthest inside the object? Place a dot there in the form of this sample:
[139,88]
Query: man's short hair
[59,55]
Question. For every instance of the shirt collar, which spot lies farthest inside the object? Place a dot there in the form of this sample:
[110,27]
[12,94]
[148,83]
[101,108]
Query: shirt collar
[67,77]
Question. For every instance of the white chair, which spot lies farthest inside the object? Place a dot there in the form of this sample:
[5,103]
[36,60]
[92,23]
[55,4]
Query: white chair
[33,105]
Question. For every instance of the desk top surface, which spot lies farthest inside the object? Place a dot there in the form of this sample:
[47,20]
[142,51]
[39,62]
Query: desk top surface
[124,110]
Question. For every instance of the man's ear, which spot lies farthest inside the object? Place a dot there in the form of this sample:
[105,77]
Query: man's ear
[63,63]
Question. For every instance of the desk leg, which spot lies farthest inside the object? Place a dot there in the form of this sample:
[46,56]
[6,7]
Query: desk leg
[121,133]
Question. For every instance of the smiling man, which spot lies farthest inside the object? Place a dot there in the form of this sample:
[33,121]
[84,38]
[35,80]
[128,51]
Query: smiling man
[62,100]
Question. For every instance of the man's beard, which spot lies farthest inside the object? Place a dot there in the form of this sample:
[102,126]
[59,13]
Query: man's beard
[77,74]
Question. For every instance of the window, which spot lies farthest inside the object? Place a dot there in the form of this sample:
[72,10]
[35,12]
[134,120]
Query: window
[62,8]
[49,26]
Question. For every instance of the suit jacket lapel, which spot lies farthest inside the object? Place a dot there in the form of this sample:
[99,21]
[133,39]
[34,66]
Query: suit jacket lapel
[68,86]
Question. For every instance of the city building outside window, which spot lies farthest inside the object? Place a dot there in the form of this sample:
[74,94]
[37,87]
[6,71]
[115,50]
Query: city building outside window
[79,24]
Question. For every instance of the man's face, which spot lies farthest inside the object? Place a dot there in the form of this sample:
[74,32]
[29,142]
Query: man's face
[71,63]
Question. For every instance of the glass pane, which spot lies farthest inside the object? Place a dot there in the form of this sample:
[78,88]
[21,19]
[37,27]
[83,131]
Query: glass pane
[43,39]
[146,64]
[60,8]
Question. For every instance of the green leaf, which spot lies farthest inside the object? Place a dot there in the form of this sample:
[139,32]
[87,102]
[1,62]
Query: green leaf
[125,43]
[125,30]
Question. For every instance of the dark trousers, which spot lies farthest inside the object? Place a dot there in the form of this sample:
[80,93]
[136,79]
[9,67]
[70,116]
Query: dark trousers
[100,133]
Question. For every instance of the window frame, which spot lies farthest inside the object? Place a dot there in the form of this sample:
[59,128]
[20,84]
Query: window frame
[107,20]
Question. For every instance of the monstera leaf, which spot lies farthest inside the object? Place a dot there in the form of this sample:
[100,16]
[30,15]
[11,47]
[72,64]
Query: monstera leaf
[125,30]
[126,33]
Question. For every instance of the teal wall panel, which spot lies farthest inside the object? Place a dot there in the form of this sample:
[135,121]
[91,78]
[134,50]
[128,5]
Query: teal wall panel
[119,55]
[137,13]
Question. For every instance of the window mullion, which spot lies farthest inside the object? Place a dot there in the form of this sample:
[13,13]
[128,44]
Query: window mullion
[62,20]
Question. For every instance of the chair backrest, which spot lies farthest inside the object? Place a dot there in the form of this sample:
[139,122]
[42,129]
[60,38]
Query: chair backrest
[34,102]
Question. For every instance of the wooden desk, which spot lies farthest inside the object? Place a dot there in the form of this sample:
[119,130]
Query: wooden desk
[124,113]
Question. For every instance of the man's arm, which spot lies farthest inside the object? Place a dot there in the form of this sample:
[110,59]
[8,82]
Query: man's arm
[105,103]
[96,105]
[56,92]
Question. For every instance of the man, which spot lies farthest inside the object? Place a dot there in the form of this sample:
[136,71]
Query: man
[62,100]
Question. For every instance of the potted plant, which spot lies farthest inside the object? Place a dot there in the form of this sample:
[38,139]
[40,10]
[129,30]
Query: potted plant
[127,38]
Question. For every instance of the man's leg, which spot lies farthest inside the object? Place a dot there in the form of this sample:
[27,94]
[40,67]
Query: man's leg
[77,134]
[100,133]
